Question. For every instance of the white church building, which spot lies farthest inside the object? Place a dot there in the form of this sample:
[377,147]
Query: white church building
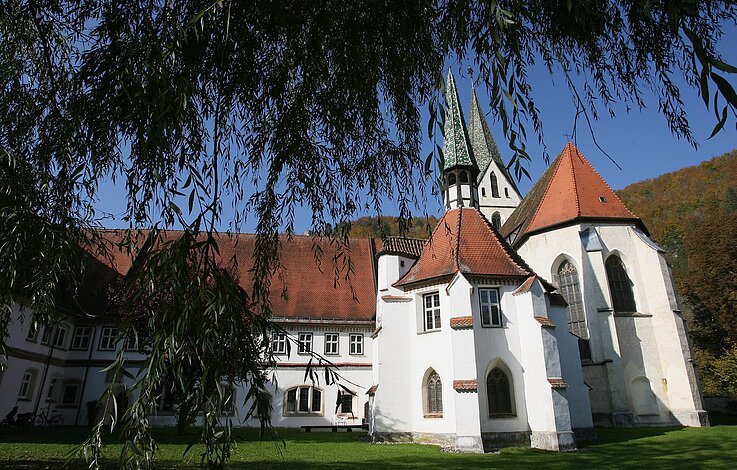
[520,321]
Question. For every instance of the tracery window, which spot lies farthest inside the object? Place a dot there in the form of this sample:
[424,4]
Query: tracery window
[498,393]
[434,390]
[620,285]
[570,289]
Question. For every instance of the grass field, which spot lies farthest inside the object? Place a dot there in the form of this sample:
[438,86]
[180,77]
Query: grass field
[714,447]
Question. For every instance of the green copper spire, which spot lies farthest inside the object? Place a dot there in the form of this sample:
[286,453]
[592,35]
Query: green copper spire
[482,143]
[456,147]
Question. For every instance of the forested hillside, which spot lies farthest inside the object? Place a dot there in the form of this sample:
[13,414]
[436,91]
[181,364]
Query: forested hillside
[692,213]
[388,226]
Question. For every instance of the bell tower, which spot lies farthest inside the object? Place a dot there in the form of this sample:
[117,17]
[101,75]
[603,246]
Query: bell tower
[460,170]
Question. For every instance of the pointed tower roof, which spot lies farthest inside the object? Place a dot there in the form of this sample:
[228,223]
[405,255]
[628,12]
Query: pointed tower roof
[464,241]
[569,190]
[482,143]
[456,145]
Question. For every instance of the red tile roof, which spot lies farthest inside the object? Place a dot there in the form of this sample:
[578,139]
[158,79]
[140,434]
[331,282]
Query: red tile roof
[465,385]
[409,247]
[314,282]
[464,241]
[557,382]
[545,321]
[372,389]
[458,323]
[570,189]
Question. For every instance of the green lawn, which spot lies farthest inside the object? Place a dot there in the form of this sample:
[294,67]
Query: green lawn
[714,447]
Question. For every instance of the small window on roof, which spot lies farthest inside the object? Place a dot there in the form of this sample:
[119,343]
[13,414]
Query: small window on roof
[602,199]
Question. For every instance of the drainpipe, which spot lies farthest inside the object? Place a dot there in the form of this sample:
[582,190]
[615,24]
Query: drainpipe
[52,341]
[86,373]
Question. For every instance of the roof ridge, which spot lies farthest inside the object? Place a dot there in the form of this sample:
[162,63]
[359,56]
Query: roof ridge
[458,240]
[585,160]
[556,162]
[568,147]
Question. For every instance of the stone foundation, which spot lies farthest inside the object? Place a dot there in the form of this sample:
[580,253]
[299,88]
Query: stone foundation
[495,440]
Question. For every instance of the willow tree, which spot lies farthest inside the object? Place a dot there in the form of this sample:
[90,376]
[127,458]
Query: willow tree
[266,106]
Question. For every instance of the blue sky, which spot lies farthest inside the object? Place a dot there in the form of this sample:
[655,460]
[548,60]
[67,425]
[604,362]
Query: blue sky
[639,141]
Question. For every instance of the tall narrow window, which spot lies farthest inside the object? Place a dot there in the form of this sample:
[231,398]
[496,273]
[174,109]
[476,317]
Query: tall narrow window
[434,392]
[491,314]
[26,383]
[483,192]
[567,280]
[496,221]
[32,332]
[451,179]
[494,185]
[60,336]
[331,343]
[432,311]
[506,192]
[620,285]
[498,393]
[464,177]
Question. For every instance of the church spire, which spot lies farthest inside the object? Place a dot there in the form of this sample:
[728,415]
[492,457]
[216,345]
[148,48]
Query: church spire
[459,168]
[482,142]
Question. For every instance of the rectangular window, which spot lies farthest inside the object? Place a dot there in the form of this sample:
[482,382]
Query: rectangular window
[81,338]
[25,385]
[60,336]
[431,310]
[305,343]
[32,332]
[304,400]
[316,400]
[279,343]
[356,344]
[69,395]
[107,338]
[491,314]
[47,335]
[292,401]
[331,343]
[346,403]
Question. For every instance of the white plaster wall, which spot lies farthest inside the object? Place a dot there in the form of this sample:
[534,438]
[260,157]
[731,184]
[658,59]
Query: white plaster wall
[501,344]
[631,347]
[504,205]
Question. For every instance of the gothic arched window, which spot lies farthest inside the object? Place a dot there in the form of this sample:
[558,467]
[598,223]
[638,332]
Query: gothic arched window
[568,286]
[434,391]
[451,179]
[620,285]
[494,186]
[496,220]
[464,177]
[499,393]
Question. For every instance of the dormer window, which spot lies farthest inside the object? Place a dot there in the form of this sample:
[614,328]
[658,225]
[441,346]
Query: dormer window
[602,199]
